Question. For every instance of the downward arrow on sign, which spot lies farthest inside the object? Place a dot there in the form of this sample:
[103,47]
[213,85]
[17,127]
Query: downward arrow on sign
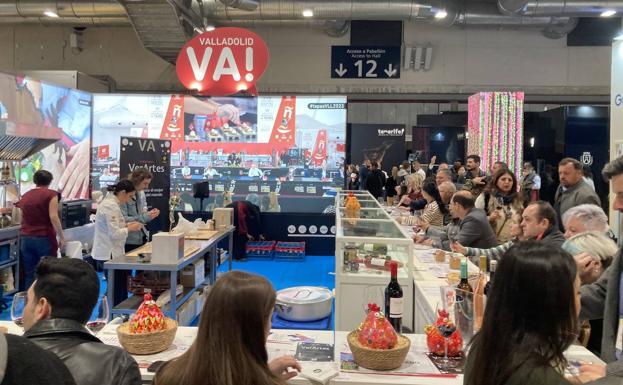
[390,71]
[340,71]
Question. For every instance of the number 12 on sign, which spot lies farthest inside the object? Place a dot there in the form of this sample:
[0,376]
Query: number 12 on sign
[370,73]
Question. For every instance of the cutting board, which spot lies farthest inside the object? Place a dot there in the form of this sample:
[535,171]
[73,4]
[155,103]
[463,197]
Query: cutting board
[202,234]
[146,248]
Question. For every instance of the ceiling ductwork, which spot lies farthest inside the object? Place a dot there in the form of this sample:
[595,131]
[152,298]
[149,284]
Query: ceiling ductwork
[163,26]
[67,21]
[333,28]
[327,10]
[566,8]
[78,9]
[245,5]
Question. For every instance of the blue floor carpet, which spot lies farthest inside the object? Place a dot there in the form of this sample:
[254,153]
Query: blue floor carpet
[313,271]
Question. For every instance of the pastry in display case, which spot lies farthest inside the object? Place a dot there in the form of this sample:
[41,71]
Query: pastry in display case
[365,249]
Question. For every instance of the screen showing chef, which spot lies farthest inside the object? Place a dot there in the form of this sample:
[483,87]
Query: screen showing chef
[284,153]
[37,109]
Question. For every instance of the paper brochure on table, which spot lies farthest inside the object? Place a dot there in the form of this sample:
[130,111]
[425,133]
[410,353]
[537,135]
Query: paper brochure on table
[426,256]
[286,344]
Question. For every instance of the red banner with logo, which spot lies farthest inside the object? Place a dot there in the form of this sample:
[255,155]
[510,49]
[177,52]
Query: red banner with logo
[222,62]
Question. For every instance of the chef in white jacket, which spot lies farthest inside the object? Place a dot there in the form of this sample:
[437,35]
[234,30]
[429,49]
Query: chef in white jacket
[111,232]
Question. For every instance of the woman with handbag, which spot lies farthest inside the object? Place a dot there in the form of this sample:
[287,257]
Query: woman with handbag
[501,200]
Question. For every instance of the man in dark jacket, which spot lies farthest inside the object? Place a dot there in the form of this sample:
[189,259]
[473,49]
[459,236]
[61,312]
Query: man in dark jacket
[23,362]
[573,191]
[473,227]
[375,181]
[601,300]
[59,304]
[539,222]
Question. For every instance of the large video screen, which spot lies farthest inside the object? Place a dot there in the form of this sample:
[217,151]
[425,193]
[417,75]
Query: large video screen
[43,110]
[293,146]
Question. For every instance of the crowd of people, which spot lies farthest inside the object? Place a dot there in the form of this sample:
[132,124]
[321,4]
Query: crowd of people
[559,279]
[550,287]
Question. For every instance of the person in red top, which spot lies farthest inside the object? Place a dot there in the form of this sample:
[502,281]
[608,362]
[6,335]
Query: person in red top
[40,225]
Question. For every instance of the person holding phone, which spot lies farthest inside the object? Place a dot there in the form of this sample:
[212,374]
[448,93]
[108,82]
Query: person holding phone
[136,208]
[230,348]
[111,231]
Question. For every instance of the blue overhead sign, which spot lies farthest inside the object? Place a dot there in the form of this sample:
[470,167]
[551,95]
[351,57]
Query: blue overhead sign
[365,62]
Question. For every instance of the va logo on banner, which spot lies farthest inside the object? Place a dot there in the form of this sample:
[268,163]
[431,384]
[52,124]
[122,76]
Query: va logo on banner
[222,62]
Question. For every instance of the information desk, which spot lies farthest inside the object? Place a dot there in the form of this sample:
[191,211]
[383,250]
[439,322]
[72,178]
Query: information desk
[282,342]
[130,305]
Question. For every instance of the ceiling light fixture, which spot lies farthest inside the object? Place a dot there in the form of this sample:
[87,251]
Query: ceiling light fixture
[441,14]
[608,13]
[308,13]
[50,14]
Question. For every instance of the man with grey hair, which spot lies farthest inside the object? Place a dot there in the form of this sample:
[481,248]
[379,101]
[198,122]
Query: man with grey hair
[443,175]
[583,218]
[446,190]
[602,298]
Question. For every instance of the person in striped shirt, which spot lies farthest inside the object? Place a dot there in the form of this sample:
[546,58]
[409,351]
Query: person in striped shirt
[496,252]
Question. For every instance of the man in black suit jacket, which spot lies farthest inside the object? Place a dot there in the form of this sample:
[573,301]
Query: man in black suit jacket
[474,229]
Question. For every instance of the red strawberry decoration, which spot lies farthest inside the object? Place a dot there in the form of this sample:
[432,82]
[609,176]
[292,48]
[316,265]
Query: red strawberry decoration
[435,340]
[375,331]
[148,318]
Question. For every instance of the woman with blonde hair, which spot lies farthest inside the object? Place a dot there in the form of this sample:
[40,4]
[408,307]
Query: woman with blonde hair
[230,348]
[596,244]
[413,190]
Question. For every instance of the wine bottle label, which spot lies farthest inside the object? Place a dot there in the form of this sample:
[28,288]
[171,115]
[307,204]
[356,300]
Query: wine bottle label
[396,306]
[377,262]
[368,247]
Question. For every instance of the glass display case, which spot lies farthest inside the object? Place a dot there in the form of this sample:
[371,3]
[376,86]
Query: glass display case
[365,246]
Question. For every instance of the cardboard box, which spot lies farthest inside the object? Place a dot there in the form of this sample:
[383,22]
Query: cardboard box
[186,313]
[223,218]
[167,247]
[194,274]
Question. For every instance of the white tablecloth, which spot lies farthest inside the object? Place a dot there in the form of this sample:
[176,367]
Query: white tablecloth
[282,342]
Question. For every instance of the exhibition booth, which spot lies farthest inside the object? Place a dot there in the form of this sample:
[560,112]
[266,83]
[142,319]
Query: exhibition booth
[285,154]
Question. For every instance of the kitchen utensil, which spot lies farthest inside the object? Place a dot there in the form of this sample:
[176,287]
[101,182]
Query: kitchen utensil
[304,303]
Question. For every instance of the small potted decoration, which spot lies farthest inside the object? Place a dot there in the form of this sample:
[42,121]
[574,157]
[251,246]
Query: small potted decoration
[375,344]
[436,341]
[148,331]
[352,207]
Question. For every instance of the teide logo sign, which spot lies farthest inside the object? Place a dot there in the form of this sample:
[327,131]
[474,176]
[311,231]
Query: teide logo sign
[391,132]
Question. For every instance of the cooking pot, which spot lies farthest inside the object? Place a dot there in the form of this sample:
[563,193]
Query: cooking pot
[304,303]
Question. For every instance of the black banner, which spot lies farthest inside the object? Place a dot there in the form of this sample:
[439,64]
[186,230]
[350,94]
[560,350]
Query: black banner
[154,155]
[382,143]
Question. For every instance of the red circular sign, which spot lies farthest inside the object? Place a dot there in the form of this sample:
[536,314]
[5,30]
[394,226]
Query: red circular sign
[222,62]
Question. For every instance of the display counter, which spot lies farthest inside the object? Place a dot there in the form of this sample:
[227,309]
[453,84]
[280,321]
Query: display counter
[364,248]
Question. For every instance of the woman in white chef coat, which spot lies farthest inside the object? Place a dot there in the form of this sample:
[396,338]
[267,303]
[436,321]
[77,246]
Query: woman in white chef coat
[111,231]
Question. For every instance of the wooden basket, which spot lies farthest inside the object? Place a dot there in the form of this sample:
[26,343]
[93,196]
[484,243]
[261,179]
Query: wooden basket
[377,359]
[147,343]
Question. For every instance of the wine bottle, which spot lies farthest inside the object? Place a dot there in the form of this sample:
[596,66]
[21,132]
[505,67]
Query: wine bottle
[394,300]
[464,284]
[492,267]
[479,298]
